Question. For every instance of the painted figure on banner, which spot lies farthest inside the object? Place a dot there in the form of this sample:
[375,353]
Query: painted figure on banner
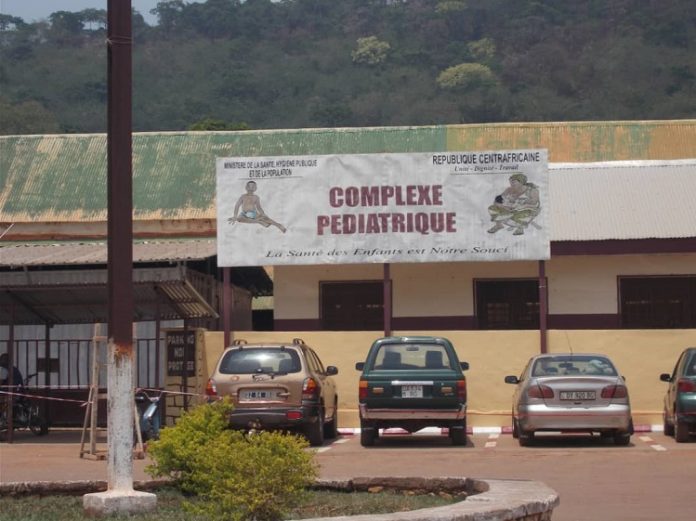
[517,207]
[248,210]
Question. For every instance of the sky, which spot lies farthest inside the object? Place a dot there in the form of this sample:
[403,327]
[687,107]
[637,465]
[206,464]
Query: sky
[34,10]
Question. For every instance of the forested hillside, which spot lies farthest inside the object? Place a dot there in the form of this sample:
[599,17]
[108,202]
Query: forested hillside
[326,63]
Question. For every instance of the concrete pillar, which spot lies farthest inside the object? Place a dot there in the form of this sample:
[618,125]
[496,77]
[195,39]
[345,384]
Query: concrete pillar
[120,498]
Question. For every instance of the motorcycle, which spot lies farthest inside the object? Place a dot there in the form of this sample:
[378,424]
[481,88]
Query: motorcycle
[149,412]
[26,413]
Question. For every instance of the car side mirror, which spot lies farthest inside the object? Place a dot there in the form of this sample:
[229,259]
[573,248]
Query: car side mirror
[465,366]
[331,370]
[360,366]
[512,380]
[666,377]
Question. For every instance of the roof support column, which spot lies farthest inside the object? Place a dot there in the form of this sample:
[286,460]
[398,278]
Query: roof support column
[226,299]
[10,377]
[120,496]
[543,307]
[387,299]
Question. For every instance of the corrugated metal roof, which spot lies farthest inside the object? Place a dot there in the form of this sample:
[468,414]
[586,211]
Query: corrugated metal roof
[62,178]
[95,252]
[622,200]
[81,296]
[70,253]
[583,141]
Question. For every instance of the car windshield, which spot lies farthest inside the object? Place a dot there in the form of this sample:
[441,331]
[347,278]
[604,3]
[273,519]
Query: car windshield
[411,356]
[260,360]
[573,365]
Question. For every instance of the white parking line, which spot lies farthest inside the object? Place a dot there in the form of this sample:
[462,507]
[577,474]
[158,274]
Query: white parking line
[493,441]
[324,449]
[341,440]
[652,444]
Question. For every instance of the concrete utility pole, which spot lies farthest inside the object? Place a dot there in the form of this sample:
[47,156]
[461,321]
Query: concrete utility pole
[120,496]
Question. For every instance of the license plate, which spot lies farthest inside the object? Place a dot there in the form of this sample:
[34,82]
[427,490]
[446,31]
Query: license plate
[412,391]
[577,395]
[258,394]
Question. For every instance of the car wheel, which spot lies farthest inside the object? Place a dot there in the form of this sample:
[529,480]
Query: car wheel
[368,435]
[622,439]
[667,427]
[331,428]
[315,431]
[515,429]
[37,423]
[458,433]
[681,432]
[524,438]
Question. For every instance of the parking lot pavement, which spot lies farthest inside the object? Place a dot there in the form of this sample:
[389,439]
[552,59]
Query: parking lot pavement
[649,480]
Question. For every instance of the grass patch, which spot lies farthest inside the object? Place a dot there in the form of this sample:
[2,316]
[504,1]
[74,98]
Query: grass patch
[320,503]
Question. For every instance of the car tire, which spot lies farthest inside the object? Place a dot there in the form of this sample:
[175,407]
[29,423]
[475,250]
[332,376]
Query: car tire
[331,428]
[368,435]
[458,433]
[524,438]
[515,430]
[37,423]
[314,431]
[667,427]
[681,432]
[622,439]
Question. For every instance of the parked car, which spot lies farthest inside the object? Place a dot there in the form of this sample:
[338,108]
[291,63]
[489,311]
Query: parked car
[570,393]
[412,383]
[278,386]
[680,400]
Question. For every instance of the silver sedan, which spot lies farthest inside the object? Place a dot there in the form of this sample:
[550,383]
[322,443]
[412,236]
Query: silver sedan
[570,393]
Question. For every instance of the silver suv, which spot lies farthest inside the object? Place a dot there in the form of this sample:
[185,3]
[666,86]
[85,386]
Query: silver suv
[278,386]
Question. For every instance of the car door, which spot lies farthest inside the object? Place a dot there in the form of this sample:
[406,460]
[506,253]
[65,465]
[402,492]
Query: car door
[327,384]
[671,396]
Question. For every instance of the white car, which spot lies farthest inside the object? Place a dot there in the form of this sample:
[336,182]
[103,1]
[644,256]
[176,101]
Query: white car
[571,393]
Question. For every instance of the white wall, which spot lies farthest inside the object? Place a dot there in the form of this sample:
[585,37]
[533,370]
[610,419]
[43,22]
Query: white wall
[577,284]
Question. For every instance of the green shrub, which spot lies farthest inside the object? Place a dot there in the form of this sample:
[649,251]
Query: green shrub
[174,453]
[236,477]
[259,478]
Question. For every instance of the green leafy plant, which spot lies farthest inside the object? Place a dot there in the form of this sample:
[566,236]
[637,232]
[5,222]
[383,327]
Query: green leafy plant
[466,76]
[370,51]
[174,453]
[234,476]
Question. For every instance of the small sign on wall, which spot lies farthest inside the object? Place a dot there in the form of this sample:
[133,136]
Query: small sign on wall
[181,353]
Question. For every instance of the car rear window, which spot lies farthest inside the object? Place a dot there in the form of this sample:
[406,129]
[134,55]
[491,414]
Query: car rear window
[573,365]
[690,369]
[260,360]
[411,356]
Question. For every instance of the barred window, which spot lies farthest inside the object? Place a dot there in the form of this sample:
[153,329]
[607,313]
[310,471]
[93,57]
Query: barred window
[507,304]
[667,302]
[352,306]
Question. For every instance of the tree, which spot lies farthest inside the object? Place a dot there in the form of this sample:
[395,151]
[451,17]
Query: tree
[29,117]
[466,76]
[370,51]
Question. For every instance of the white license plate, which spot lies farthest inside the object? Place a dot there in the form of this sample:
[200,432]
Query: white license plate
[258,394]
[577,395]
[412,391]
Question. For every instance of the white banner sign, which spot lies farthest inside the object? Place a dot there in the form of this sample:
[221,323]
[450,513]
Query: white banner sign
[377,208]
